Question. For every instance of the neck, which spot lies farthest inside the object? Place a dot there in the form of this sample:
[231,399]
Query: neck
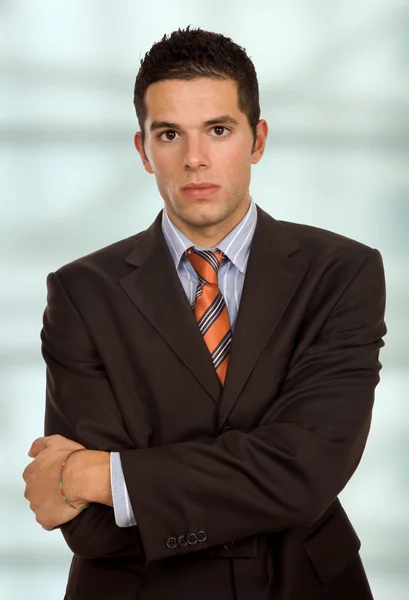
[209,236]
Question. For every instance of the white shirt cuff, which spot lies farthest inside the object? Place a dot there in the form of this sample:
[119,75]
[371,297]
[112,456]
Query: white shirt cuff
[124,516]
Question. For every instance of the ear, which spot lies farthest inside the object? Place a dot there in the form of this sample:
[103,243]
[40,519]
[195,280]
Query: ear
[141,152]
[260,142]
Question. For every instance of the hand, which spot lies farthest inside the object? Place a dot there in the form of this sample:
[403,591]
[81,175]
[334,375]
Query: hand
[42,477]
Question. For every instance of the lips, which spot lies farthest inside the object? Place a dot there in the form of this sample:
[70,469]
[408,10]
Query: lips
[200,190]
[199,186]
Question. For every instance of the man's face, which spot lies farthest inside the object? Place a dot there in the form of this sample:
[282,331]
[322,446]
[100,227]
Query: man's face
[199,146]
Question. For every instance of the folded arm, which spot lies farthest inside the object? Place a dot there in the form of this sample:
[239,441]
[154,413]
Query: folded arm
[80,405]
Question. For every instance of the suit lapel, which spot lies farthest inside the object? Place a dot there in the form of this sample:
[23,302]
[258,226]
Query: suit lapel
[154,287]
[275,269]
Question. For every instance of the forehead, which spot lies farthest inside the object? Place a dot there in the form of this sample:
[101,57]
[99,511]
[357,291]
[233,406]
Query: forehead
[178,100]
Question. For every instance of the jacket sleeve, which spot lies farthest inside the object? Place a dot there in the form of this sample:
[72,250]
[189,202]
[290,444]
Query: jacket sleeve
[80,405]
[287,471]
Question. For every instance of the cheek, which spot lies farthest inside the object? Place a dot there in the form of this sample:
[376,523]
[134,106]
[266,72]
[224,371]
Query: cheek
[234,155]
[166,177]
[164,166]
[239,165]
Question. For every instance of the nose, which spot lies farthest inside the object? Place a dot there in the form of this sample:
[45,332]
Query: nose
[196,154]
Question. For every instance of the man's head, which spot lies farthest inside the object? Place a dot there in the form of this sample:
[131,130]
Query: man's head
[197,102]
[192,54]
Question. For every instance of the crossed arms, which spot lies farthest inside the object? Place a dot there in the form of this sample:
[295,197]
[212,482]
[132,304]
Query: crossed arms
[281,474]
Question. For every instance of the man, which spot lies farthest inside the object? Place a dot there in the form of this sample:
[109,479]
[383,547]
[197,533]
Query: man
[216,371]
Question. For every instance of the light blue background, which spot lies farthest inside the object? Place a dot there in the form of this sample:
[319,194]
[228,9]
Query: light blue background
[334,81]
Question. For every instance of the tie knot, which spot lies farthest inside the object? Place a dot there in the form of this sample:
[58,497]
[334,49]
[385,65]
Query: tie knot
[206,263]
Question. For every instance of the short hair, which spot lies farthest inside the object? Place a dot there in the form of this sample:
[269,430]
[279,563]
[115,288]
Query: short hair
[190,54]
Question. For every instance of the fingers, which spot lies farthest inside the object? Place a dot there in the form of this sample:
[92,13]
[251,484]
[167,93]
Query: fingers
[36,447]
[55,441]
[25,475]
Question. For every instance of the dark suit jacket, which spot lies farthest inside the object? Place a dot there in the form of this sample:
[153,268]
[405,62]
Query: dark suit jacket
[234,490]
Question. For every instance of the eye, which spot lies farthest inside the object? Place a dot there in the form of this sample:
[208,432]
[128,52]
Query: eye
[168,136]
[220,131]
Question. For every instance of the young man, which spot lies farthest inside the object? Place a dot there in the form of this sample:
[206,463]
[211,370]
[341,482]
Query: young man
[217,371]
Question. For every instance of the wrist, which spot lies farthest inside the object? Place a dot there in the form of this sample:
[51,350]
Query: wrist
[71,478]
[87,478]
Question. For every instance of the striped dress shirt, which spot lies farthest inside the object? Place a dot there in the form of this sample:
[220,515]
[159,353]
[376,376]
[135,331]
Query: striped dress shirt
[236,246]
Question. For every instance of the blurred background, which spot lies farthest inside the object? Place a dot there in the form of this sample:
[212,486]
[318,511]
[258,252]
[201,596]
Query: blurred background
[334,82]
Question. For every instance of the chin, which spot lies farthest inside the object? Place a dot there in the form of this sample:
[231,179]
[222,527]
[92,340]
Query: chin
[206,213]
[205,219]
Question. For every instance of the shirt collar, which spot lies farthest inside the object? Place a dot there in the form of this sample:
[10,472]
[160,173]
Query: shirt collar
[236,245]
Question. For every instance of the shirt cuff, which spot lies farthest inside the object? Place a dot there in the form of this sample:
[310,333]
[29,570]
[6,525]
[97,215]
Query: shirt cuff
[124,516]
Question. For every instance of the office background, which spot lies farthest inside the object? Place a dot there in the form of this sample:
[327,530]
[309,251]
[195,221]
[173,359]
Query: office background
[334,81]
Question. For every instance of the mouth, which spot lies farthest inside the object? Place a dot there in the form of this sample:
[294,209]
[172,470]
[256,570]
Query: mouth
[200,190]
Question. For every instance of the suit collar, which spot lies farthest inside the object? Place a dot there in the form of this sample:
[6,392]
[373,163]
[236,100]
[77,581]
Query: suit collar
[155,288]
[275,269]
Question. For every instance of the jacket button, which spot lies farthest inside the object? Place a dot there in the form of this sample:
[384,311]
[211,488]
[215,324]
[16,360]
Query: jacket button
[191,538]
[181,540]
[171,542]
[201,535]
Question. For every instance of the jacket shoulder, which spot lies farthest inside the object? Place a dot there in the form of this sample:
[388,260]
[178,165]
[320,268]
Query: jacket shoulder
[108,260]
[317,242]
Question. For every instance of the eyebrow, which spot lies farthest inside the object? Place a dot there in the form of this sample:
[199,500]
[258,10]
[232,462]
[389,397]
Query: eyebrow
[223,119]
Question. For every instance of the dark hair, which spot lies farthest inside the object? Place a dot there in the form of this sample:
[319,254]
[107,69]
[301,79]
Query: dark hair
[193,53]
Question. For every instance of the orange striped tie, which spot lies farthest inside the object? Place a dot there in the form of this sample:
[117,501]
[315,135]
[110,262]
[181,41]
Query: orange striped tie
[210,308]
